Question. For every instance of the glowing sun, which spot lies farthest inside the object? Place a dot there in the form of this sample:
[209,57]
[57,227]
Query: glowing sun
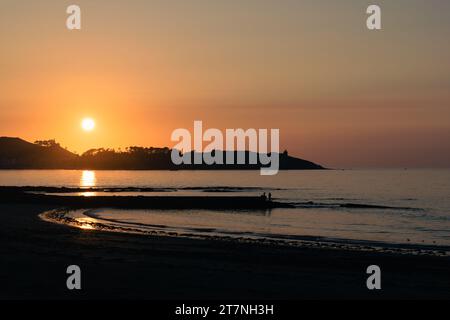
[88,124]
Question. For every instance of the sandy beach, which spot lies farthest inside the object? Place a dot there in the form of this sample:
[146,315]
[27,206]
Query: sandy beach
[35,255]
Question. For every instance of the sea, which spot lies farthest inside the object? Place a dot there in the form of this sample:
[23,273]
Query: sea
[387,206]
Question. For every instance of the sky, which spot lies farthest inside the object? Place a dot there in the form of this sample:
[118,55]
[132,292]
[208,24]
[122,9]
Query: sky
[341,95]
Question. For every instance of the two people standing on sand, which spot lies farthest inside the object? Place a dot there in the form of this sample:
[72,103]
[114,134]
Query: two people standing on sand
[264,197]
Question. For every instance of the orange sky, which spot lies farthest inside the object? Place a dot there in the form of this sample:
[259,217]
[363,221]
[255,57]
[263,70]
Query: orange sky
[341,95]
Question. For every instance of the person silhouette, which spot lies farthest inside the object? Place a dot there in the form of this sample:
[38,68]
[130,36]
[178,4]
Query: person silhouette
[270,197]
[264,197]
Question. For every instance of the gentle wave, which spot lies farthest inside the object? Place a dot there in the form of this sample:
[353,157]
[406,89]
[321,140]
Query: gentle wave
[95,222]
[312,204]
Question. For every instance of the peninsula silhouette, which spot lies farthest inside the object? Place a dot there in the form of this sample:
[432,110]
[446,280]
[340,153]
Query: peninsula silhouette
[16,153]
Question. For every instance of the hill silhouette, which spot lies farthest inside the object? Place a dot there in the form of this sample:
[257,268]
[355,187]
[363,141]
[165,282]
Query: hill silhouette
[16,153]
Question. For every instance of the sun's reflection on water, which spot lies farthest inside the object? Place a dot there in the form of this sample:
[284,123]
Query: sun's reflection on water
[86,227]
[87,194]
[86,223]
[88,179]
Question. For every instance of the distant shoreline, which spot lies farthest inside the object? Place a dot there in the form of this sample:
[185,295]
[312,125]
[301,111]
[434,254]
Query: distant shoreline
[16,153]
[169,170]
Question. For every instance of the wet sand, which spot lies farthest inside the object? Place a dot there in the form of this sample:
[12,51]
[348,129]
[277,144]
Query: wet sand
[39,196]
[35,255]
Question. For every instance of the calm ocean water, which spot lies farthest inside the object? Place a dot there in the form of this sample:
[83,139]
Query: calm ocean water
[396,206]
